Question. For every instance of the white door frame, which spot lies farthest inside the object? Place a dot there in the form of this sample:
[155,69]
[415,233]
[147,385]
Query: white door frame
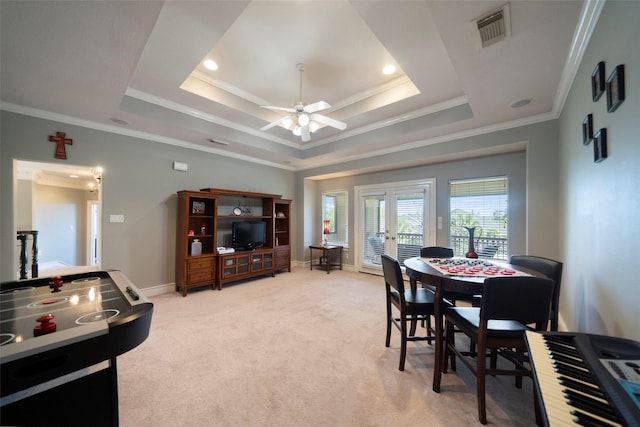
[429,187]
[93,229]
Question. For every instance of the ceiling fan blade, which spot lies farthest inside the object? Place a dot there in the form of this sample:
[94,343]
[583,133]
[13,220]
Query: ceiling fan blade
[276,123]
[328,121]
[270,107]
[316,106]
[306,135]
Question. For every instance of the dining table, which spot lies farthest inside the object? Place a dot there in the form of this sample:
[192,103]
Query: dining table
[462,282]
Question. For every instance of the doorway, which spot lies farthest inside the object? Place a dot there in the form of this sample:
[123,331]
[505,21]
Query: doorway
[62,203]
[93,232]
[396,219]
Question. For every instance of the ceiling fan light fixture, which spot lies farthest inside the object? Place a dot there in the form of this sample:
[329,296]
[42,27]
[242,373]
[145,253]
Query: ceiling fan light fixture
[287,122]
[303,119]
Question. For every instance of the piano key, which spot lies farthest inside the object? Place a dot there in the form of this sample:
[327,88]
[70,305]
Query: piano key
[563,349]
[588,388]
[569,360]
[571,372]
[585,420]
[591,405]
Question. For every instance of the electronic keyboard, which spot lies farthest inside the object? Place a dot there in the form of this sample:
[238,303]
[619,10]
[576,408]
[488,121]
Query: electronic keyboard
[585,379]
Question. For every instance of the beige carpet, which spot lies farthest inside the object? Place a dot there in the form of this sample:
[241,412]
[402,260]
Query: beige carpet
[301,349]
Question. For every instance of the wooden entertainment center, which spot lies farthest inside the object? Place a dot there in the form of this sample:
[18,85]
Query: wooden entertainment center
[205,220]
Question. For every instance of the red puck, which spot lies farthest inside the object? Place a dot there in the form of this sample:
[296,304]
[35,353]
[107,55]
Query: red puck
[46,326]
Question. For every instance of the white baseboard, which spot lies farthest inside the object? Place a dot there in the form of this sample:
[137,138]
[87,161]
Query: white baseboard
[158,290]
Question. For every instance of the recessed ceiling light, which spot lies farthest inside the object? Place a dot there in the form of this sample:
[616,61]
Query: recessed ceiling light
[73,176]
[211,64]
[389,69]
[520,103]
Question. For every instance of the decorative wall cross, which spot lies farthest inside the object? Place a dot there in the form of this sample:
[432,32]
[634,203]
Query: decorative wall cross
[61,141]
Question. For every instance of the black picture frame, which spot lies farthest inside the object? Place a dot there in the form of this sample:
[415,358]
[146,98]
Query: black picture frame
[615,88]
[600,145]
[587,129]
[597,81]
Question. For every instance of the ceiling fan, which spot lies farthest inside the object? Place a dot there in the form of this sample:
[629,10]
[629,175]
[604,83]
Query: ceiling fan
[304,120]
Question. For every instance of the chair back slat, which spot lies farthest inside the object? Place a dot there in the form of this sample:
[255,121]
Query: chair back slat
[524,299]
[393,274]
[436,252]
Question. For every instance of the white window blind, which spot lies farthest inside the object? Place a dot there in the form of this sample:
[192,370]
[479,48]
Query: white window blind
[482,203]
[409,224]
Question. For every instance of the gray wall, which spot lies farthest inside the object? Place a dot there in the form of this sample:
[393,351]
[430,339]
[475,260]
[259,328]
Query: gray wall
[533,179]
[511,165]
[599,207]
[138,182]
[59,217]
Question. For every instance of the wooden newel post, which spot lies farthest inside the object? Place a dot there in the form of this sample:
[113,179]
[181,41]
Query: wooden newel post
[23,255]
[22,236]
[34,255]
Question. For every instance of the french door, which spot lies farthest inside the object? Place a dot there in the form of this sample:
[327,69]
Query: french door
[396,219]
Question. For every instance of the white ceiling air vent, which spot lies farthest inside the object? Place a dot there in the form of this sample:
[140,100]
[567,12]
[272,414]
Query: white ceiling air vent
[495,26]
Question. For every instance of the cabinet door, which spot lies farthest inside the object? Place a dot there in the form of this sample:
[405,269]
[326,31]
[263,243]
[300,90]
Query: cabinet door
[281,257]
[229,266]
[267,263]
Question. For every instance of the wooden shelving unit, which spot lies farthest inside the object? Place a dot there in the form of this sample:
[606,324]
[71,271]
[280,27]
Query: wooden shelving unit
[273,256]
[196,223]
[282,234]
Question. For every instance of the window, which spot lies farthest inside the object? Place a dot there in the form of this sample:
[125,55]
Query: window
[482,203]
[334,209]
[330,211]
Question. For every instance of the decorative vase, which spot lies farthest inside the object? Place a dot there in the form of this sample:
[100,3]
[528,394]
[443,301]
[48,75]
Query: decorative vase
[471,253]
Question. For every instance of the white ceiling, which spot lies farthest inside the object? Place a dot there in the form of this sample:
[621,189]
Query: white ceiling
[89,63]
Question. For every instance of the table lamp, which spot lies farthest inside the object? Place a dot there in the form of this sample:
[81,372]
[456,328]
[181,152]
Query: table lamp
[325,230]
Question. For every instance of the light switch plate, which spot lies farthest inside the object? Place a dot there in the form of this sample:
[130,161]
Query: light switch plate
[116,218]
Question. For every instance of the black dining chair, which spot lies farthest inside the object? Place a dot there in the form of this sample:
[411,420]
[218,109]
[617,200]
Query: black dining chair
[405,306]
[442,252]
[550,268]
[450,296]
[507,308]
[436,252]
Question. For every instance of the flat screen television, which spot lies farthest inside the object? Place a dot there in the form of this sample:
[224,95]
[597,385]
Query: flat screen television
[247,235]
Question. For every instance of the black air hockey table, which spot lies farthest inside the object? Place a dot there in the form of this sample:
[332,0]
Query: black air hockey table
[59,338]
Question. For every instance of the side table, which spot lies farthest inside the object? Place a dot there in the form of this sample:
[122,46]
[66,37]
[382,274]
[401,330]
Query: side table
[330,253]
